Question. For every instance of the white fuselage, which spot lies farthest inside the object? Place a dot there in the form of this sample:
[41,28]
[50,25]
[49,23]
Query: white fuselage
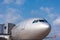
[29,30]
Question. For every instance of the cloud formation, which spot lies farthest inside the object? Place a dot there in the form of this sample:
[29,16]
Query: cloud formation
[46,9]
[13,15]
[52,16]
[56,22]
[18,2]
[7,1]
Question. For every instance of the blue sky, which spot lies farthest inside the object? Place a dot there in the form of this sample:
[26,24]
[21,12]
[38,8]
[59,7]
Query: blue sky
[17,10]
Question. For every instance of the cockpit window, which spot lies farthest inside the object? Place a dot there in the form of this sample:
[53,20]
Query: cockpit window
[42,21]
[35,21]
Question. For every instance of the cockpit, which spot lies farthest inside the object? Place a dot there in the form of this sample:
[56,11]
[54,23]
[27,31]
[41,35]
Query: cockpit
[35,21]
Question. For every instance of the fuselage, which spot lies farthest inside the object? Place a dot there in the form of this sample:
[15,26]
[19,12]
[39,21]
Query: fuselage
[36,28]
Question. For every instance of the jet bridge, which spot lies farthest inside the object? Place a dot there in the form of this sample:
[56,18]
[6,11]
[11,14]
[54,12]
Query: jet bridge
[5,31]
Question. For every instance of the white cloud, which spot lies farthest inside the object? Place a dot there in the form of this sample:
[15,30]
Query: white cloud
[19,2]
[49,11]
[52,15]
[13,15]
[7,1]
[56,21]
[46,9]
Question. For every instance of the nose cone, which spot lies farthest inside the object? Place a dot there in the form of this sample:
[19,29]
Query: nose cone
[38,30]
[45,29]
[45,26]
[41,26]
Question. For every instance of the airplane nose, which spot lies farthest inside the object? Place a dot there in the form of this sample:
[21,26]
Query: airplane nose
[45,29]
[45,26]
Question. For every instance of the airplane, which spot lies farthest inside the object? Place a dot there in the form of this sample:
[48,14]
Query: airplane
[31,29]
